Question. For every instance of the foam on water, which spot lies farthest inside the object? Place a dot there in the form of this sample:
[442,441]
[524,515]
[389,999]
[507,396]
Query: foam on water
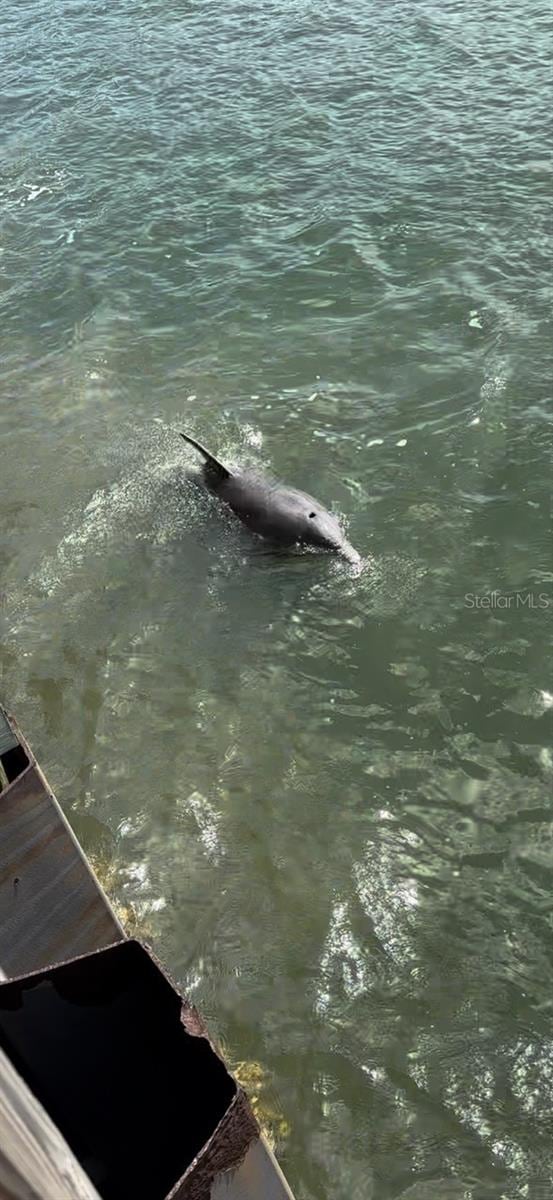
[150,501]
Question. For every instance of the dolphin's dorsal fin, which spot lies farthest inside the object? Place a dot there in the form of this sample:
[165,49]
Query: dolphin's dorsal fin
[213,466]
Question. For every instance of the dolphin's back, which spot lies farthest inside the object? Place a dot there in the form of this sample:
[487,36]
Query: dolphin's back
[274,510]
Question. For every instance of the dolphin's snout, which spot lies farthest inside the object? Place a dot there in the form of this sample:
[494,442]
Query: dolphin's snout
[347,551]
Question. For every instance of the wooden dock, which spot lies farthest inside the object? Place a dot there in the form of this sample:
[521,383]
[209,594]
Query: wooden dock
[52,909]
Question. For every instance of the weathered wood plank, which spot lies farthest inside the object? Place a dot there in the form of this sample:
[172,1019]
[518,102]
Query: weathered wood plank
[51,909]
[51,905]
[35,1161]
[8,738]
[258,1177]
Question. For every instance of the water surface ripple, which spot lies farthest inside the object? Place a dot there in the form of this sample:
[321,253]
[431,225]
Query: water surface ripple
[316,235]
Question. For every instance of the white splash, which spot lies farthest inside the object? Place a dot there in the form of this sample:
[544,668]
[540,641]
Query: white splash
[208,821]
[341,952]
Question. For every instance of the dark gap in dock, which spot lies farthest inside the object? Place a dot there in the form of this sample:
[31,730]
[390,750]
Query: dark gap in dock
[101,1043]
[14,762]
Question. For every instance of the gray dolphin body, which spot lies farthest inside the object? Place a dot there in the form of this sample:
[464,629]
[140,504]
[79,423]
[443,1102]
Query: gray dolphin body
[282,514]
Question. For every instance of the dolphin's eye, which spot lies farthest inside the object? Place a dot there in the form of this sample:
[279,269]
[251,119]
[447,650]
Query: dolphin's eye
[311,515]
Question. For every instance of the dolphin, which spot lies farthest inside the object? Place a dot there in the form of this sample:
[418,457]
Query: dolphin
[279,513]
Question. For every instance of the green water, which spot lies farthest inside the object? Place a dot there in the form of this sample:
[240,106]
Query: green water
[316,236]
